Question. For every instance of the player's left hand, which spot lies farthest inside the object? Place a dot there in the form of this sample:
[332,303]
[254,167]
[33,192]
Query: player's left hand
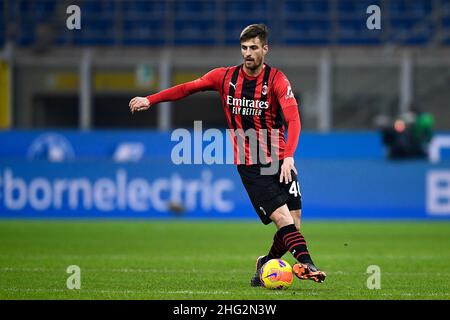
[286,167]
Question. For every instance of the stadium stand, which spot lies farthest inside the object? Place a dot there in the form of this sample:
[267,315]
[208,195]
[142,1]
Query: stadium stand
[205,22]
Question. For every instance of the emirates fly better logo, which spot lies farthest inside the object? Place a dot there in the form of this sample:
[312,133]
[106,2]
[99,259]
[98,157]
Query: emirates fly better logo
[247,107]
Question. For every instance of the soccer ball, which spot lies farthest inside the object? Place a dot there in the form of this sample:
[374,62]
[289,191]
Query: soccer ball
[276,274]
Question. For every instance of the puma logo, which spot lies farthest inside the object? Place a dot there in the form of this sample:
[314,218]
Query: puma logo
[264,211]
[233,85]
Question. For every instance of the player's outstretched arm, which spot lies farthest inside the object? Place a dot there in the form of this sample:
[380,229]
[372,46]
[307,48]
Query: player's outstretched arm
[209,81]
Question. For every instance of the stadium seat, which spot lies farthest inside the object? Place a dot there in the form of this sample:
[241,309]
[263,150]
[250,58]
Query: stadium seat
[194,22]
[148,22]
[305,9]
[200,9]
[313,32]
[144,9]
[411,21]
[38,11]
[294,14]
[354,31]
[99,9]
[26,35]
[446,30]
[2,25]
[191,32]
[237,17]
[30,14]
[2,34]
[416,8]
[144,32]
[354,8]
[240,9]
[98,23]
[95,32]
[411,31]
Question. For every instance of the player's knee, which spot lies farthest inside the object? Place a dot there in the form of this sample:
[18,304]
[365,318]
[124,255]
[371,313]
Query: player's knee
[281,218]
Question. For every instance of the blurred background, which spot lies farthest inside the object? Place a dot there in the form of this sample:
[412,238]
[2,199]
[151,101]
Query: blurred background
[374,104]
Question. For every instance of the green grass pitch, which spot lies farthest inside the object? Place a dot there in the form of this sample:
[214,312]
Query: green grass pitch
[181,260]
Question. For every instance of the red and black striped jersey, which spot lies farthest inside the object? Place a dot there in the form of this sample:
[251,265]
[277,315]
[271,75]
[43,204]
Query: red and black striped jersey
[256,109]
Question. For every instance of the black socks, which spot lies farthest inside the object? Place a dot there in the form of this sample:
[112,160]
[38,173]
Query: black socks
[288,238]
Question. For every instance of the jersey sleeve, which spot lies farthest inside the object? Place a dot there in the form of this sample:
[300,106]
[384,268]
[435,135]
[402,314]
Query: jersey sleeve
[283,91]
[209,81]
[294,125]
[289,106]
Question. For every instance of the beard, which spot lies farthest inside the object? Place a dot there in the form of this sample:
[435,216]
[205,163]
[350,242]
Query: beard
[252,64]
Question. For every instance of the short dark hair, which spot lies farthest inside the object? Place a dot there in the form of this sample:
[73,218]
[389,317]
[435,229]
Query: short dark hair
[259,30]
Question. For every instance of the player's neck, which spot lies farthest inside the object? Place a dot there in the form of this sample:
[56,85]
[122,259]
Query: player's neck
[254,73]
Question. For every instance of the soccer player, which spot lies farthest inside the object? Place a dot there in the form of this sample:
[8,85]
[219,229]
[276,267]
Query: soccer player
[258,97]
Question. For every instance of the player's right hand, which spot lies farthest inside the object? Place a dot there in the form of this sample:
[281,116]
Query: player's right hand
[139,104]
